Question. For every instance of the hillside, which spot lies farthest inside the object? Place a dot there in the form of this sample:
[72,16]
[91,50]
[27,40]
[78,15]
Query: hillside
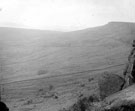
[32,60]
[34,53]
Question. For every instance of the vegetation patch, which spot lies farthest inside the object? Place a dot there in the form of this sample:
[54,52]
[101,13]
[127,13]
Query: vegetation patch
[83,104]
[42,72]
[109,84]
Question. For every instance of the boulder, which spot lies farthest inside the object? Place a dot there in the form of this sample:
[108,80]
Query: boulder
[3,106]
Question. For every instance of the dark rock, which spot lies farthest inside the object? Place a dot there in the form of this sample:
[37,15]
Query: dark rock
[3,107]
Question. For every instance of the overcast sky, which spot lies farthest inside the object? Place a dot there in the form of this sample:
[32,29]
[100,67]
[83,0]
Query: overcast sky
[64,15]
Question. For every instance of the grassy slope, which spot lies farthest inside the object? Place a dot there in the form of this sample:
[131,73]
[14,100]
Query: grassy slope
[32,53]
[68,58]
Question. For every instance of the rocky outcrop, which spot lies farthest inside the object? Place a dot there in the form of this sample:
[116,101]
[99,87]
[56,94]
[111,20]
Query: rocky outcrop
[124,99]
[121,101]
[125,106]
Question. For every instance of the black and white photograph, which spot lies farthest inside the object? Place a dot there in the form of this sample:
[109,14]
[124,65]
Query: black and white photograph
[67,55]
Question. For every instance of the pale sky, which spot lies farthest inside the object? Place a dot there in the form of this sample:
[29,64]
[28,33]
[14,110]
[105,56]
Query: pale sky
[64,15]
